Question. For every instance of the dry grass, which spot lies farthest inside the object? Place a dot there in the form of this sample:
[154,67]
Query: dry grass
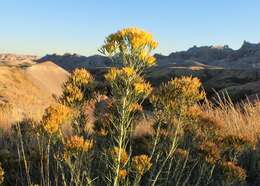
[235,119]
[7,116]
[10,115]
[242,119]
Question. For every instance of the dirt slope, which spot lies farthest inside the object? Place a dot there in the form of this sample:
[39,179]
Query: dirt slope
[26,92]
[47,76]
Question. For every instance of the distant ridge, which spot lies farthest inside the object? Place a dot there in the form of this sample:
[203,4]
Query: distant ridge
[16,60]
[247,57]
[71,61]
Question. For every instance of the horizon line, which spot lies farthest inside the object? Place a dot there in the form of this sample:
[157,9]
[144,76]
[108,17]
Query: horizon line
[159,53]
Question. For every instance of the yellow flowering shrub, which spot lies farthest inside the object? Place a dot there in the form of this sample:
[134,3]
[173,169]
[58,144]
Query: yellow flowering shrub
[77,143]
[141,164]
[131,49]
[188,87]
[178,95]
[1,175]
[55,116]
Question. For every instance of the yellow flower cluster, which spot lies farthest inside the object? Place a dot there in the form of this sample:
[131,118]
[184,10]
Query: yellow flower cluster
[115,151]
[73,93]
[177,96]
[137,38]
[1,175]
[77,143]
[142,88]
[122,174]
[72,89]
[134,37]
[148,59]
[81,77]
[188,87]
[128,71]
[132,41]
[113,73]
[55,116]
[141,164]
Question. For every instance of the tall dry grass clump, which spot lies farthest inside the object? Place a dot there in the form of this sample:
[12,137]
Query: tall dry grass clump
[9,115]
[89,136]
[237,119]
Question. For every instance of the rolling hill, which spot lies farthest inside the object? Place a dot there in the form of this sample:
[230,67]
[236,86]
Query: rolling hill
[27,91]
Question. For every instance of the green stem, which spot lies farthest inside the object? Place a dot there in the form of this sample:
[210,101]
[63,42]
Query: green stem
[121,139]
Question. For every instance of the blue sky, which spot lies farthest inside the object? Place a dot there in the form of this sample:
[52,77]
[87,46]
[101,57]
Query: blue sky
[80,26]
